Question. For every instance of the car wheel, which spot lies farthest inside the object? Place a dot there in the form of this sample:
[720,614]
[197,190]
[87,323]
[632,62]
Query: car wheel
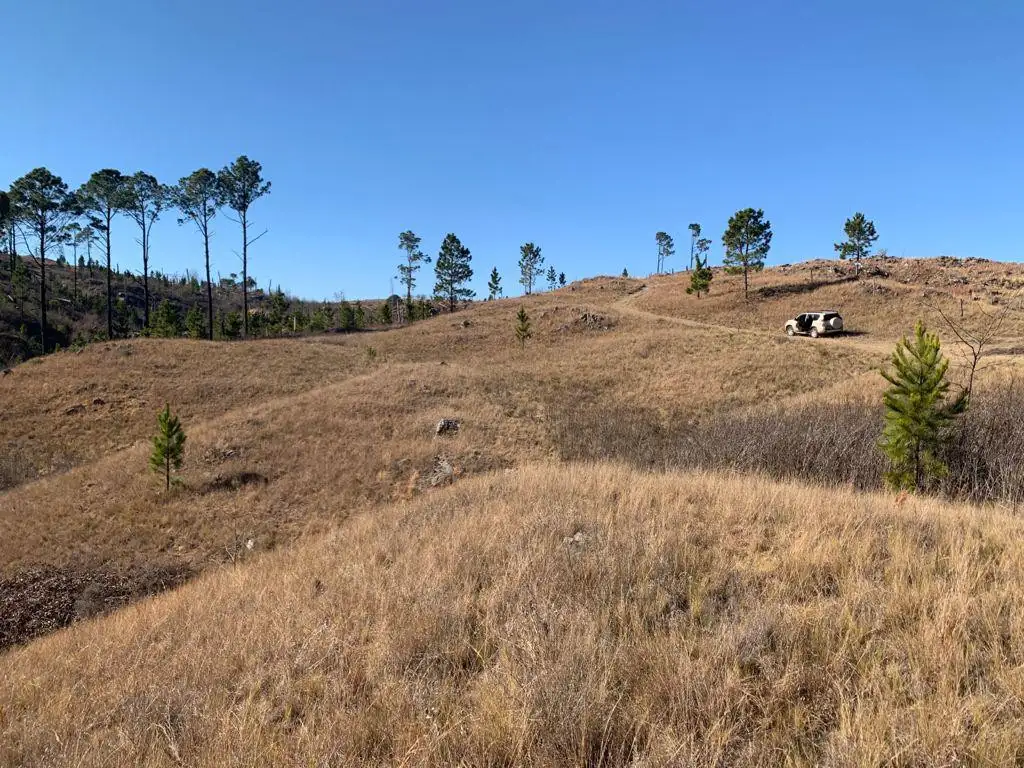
[814,333]
[790,331]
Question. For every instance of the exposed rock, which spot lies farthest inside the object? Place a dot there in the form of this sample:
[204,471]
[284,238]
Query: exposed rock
[74,409]
[447,427]
[578,539]
[443,472]
[99,401]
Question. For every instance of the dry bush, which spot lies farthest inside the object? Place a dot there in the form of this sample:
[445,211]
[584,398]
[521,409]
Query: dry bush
[829,443]
[563,616]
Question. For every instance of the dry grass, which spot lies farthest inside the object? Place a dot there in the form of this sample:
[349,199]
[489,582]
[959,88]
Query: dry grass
[563,616]
[77,406]
[696,620]
[884,304]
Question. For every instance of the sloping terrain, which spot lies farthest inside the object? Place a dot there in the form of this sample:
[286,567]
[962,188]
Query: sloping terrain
[581,615]
[429,559]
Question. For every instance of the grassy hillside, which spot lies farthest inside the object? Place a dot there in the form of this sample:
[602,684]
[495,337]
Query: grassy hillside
[402,597]
[563,616]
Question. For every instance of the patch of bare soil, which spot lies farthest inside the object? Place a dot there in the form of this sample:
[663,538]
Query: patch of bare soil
[38,600]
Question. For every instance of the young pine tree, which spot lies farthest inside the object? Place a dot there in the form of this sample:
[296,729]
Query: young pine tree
[860,236]
[700,277]
[918,415]
[552,277]
[168,445]
[523,331]
[494,285]
[195,323]
[561,279]
[166,321]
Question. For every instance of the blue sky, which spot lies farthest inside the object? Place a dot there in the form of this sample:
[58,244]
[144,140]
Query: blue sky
[582,126]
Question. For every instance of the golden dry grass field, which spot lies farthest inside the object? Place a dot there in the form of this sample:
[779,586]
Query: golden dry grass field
[551,586]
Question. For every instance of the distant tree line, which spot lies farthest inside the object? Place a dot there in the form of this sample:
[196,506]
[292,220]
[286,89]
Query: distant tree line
[40,215]
[453,270]
[747,240]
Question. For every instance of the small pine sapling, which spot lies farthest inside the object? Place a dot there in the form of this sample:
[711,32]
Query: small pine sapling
[552,278]
[700,277]
[168,445]
[523,331]
[918,415]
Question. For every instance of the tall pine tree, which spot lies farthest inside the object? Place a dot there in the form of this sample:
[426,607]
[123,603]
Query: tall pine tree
[918,414]
[666,249]
[530,263]
[453,271]
[409,242]
[747,241]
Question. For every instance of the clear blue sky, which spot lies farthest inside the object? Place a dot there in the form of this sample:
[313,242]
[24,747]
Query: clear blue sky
[582,126]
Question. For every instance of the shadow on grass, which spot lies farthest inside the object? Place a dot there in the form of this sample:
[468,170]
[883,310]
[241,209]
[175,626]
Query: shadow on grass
[233,481]
[794,289]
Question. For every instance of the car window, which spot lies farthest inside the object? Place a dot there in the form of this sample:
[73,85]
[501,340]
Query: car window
[831,315]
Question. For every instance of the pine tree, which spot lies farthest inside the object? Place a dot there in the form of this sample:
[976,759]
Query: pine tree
[19,283]
[409,242]
[552,277]
[453,271]
[700,277]
[195,324]
[747,240]
[561,279]
[860,236]
[347,317]
[918,415]
[523,331]
[666,249]
[166,322]
[694,237]
[494,285]
[384,313]
[168,445]
[625,272]
[530,262]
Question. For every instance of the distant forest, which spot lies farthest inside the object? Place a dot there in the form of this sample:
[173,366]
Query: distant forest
[61,284]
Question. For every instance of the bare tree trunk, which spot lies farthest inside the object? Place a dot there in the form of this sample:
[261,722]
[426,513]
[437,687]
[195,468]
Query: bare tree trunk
[110,297]
[209,285]
[145,271]
[12,255]
[42,287]
[245,276]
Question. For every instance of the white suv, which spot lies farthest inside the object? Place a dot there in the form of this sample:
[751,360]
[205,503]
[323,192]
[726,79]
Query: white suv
[815,324]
